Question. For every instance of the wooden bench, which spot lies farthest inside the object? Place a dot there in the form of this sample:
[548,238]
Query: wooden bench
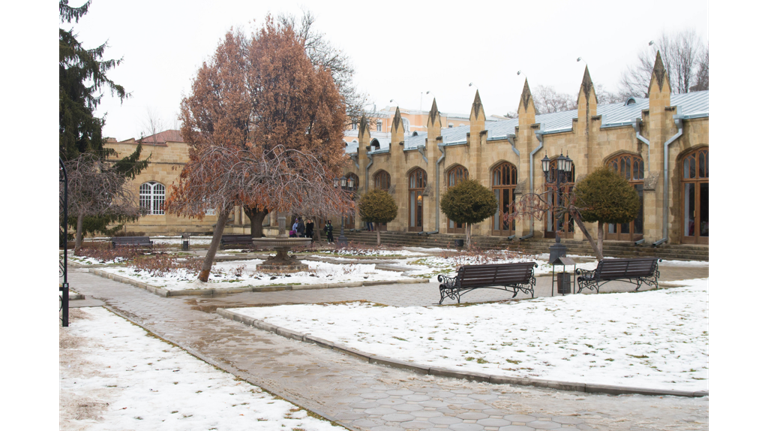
[636,271]
[240,241]
[131,241]
[503,276]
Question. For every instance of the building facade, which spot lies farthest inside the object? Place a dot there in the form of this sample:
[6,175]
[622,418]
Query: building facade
[660,144]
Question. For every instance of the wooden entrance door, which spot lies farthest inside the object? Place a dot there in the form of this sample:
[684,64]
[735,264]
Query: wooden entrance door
[695,197]
[631,167]
[559,222]
[503,183]
[417,181]
[456,175]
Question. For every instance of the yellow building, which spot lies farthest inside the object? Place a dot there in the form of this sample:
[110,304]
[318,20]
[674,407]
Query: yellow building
[660,144]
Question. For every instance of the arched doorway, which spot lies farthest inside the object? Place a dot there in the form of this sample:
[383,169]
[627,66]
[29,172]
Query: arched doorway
[456,175]
[564,224]
[382,181]
[417,182]
[695,196]
[503,183]
[630,167]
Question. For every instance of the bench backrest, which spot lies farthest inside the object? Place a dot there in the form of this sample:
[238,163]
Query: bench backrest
[495,274]
[621,268]
[131,240]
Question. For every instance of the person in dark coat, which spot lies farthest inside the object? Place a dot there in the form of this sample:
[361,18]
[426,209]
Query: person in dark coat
[300,228]
[329,231]
[310,229]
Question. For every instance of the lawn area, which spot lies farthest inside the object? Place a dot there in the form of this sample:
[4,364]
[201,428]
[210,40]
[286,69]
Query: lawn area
[653,339]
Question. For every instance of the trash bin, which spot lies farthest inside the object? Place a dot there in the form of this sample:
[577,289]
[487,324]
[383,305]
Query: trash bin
[564,283]
[185,242]
[459,243]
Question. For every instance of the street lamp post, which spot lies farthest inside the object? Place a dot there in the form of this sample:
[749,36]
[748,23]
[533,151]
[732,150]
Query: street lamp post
[348,185]
[557,252]
[563,165]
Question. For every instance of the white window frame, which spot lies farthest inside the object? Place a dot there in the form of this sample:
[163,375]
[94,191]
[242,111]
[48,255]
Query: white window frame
[152,197]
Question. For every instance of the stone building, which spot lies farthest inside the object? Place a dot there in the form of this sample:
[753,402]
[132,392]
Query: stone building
[660,144]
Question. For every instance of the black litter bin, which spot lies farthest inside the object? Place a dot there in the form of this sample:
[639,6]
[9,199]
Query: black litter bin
[459,243]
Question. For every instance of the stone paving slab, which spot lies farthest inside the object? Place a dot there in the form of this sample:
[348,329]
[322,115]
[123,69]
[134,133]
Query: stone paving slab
[341,387]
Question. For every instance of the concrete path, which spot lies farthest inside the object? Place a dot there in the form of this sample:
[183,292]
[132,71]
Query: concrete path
[366,396]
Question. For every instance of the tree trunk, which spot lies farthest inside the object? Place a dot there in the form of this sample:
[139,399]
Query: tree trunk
[218,231]
[78,235]
[378,234]
[468,229]
[598,250]
[600,226]
[257,221]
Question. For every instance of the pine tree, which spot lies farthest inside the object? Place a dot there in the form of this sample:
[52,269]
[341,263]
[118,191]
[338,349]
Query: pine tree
[82,77]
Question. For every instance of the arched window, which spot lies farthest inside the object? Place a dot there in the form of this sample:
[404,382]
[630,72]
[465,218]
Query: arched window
[456,175]
[695,196]
[417,182]
[503,183]
[152,197]
[382,180]
[631,167]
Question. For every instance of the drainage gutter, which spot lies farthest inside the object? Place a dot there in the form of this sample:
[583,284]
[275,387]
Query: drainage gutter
[679,122]
[530,172]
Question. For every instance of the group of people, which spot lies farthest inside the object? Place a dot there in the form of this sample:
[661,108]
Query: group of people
[302,230]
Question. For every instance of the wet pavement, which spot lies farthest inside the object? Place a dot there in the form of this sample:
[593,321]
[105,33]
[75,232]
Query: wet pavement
[364,396]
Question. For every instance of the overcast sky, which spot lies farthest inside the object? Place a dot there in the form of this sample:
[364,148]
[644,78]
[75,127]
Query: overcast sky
[400,49]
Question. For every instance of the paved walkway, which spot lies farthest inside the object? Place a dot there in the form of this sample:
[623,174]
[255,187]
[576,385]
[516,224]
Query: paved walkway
[366,396]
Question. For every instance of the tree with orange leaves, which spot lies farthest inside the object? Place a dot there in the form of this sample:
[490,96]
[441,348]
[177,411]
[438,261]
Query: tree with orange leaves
[265,129]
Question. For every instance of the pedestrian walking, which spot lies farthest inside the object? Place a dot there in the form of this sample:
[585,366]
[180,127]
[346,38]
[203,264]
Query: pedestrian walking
[300,228]
[328,231]
[310,229]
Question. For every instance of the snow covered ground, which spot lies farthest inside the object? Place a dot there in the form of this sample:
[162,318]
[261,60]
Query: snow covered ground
[653,339]
[224,275]
[114,376]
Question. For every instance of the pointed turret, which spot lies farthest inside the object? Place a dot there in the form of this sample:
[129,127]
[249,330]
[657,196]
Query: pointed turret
[477,108]
[363,128]
[659,75]
[398,131]
[526,110]
[434,124]
[587,88]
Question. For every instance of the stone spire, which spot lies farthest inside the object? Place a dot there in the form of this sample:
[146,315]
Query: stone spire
[398,132]
[434,123]
[477,107]
[659,74]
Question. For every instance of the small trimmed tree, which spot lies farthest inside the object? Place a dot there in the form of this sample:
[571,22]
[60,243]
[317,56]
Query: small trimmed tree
[468,202]
[377,206]
[604,196]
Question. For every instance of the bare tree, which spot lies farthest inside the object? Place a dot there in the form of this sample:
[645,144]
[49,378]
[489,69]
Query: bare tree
[322,53]
[685,59]
[547,100]
[702,76]
[96,188]
[223,177]
[151,126]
